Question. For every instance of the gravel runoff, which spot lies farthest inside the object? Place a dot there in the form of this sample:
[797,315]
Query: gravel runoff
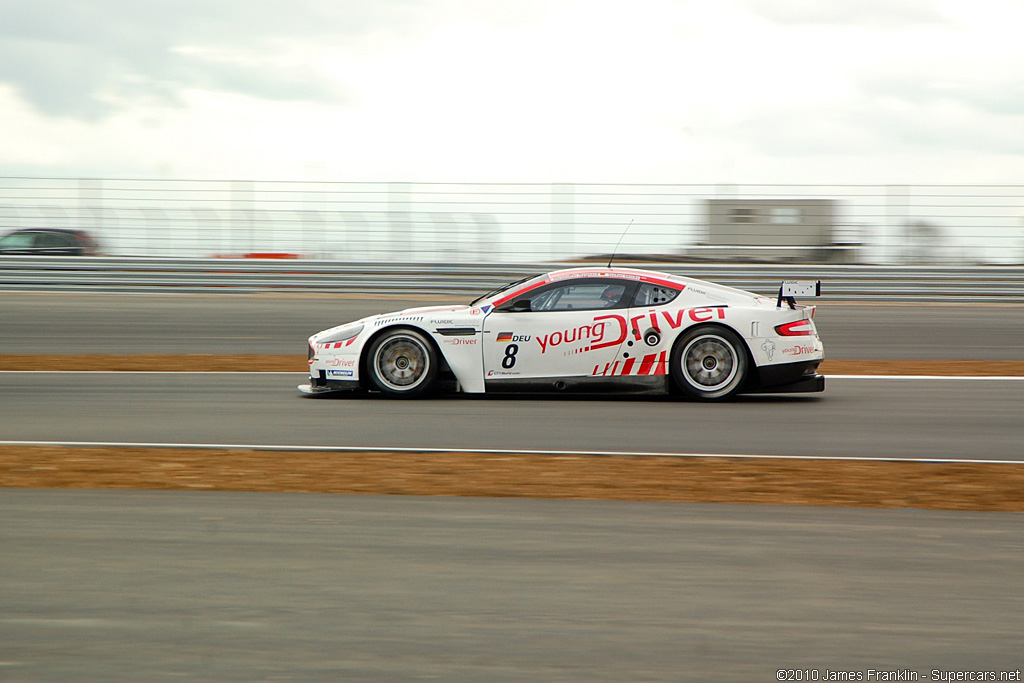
[782,481]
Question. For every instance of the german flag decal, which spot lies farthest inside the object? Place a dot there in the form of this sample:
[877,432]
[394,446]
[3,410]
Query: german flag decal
[504,336]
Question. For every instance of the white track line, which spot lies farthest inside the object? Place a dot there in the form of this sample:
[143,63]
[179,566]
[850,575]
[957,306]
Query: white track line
[495,451]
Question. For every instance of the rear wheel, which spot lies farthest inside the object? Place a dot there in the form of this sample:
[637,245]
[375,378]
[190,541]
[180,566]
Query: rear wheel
[709,363]
[402,363]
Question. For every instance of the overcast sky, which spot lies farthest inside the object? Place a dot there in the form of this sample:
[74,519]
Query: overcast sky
[663,91]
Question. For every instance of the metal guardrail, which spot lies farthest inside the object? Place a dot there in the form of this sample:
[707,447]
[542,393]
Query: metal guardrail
[467,223]
[235,276]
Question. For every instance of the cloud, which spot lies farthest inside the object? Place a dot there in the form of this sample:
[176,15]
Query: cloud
[652,91]
[888,14]
[81,59]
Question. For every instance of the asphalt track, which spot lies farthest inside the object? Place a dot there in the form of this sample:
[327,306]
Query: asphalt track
[116,586]
[888,418]
[154,586]
[267,324]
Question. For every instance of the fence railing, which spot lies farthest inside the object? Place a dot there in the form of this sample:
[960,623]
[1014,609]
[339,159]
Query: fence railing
[135,275]
[523,223]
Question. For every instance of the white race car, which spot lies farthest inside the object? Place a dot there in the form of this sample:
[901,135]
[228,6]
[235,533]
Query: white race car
[589,329]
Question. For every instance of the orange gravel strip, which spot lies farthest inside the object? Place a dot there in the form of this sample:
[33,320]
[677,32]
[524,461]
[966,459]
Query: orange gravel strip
[290,363]
[992,487]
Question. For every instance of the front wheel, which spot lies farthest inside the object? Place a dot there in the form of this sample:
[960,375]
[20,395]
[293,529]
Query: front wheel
[709,363]
[402,363]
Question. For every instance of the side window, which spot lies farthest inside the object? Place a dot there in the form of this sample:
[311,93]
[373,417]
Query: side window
[581,296]
[654,295]
[48,240]
[65,239]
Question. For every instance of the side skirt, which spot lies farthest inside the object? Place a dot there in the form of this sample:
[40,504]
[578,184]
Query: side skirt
[622,385]
[810,384]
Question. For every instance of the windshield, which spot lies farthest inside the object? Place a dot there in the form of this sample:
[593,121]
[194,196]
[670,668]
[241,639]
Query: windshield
[501,289]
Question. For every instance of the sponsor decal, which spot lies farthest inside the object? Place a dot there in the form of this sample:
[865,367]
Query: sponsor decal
[340,362]
[502,373]
[572,274]
[799,350]
[513,337]
[460,341]
[486,307]
[442,322]
[602,333]
[706,295]
[653,364]
[698,315]
[596,334]
[769,348]
[674,319]
[339,373]
[635,323]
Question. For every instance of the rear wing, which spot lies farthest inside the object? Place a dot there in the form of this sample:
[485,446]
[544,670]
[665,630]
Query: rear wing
[791,289]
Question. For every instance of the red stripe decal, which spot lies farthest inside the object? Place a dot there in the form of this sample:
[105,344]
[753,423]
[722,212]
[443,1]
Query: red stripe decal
[646,364]
[660,368]
[628,366]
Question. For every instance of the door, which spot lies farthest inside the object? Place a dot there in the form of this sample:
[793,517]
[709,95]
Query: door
[573,328]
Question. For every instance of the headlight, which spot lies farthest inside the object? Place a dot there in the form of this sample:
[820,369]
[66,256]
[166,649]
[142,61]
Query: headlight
[344,334]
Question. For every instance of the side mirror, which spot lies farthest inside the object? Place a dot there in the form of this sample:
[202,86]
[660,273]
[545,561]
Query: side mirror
[517,306]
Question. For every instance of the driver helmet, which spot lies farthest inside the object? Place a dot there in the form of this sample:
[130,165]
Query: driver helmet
[612,293]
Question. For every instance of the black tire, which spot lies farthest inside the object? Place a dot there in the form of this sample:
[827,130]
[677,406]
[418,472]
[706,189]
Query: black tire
[709,363]
[402,362]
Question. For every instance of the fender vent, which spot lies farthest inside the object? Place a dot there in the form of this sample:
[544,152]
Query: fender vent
[457,331]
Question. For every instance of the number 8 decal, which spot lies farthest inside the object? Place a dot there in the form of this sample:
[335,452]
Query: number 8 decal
[509,361]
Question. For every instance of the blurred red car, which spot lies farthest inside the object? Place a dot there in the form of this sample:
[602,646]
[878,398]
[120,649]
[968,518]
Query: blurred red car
[49,242]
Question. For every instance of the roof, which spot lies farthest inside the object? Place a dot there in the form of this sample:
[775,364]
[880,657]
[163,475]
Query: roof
[649,276]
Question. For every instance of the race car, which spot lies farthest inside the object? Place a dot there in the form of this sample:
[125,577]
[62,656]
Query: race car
[583,329]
